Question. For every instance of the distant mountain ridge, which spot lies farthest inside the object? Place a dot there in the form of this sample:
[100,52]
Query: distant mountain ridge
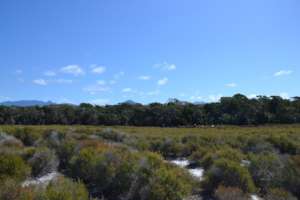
[26,103]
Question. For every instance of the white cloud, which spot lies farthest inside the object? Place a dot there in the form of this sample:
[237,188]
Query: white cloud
[119,75]
[284,95]
[99,102]
[50,73]
[73,69]
[101,82]
[232,85]
[153,93]
[162,81]
[112,82]
[19,71]
[144,78]
[126,90]
[93,89]
[196,98]
[4,98]
[165,66]
[40,82]
[98,69]
[214,98]
[252,96]
[67,81]
[283,73]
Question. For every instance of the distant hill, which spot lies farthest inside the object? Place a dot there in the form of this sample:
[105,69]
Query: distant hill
[26,103]
[129,102]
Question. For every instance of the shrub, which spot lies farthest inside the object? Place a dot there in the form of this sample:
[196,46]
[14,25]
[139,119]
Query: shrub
[118,173]
[65,152]
[27,136]
[229,174]
[110,134]
[13,166]
[279,194]
[266,170]
[65,189]
[9,189]
[291,179]
[9,140]
[230,193]
[43,161]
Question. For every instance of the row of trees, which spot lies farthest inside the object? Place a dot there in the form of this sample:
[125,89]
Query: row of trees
[238,110]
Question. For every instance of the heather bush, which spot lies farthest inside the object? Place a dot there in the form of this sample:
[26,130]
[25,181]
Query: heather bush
[230,193]
[13,166]
[229,174]
[43,161]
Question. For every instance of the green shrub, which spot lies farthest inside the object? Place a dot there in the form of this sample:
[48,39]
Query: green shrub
[229,174]
[65,152]
[43,161]
[65,189]
[267,170]
[27,136]
[9,189]
[230,193]
[13,166]
[279,194]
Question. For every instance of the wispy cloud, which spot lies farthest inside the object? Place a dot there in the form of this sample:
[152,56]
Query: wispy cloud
[19,71]
[162,81]
[99,102]
[144,78]
[101,82]
[231,85]
[126,90]
[283,73]
[93,89]
[62,81]
[49,73]
[165,66]
[284,95]
[119,75]
[214,98]
[75,70]
[97,69]
[153,93]
[40,82]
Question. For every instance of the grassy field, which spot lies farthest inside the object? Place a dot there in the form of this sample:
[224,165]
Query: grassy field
[168,132]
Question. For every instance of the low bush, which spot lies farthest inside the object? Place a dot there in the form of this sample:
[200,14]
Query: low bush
[279,194]
[267,171]
[27,136]
[230,193]
[43,161]
[65,189]
[13,166]
[229,174]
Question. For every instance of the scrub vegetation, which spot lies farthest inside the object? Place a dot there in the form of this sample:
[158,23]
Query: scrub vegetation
[123,162]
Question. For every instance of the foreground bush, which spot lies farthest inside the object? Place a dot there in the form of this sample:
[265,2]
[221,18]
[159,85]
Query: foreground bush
[13,166]
[65,189]
[279,194]
[229,174]
[120,174]
[266,170]
[60,189]
[43,161]
[230,193]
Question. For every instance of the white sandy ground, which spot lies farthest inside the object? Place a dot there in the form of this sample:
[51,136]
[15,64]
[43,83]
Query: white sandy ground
[199,172]
[43,180]
[183,163]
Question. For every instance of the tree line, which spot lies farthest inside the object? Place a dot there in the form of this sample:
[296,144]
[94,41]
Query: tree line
[235,110]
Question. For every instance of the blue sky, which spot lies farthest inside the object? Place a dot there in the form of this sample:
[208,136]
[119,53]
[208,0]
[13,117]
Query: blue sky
[108,51]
